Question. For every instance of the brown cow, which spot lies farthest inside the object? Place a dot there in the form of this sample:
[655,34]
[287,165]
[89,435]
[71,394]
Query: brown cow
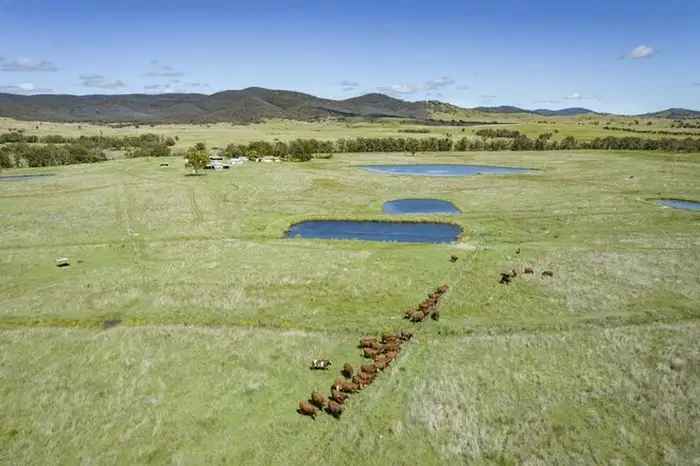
[380,365]
[367,378]
[349,387]
[307,409]
[368,368]
[334,409]
[391,347]
[389,338]
[367,341]
[338,396]
[337,384]
[318,400]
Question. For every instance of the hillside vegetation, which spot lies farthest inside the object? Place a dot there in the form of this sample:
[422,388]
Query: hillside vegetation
[255,104]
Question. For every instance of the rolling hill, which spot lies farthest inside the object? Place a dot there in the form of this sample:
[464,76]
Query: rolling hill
[252,104]
[574,111]
[673,113]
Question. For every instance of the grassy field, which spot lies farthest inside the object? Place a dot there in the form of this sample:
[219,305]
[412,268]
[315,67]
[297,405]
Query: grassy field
[221,315]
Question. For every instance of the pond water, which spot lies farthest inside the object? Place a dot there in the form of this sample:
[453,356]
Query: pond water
[442,169]
[23,177]
[420,206]
[679,204]
[402,232]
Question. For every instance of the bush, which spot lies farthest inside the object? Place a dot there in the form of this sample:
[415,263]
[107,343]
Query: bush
[498,133]
[197,157]
[26,155]
[155,150]
[5,159]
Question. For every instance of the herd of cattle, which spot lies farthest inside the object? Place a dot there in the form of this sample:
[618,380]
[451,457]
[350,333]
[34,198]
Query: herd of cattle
[382,351]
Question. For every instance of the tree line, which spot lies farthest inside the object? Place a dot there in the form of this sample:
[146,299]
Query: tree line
[20,150]
[305,149]
[685,124]
[88,149]
[105,142]
[297,150]
[498,133]
[651,131]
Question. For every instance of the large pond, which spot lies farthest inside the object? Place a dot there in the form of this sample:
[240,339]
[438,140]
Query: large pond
[420,206]
[23,177]
[402,232]
[679,204]
[443,170]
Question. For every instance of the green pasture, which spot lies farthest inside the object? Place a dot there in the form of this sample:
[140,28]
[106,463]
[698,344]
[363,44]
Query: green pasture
[221,315]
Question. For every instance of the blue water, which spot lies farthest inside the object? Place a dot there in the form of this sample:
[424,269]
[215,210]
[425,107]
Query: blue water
[678,204]
[442,170]
[402,232]
[23,177]
[420,206]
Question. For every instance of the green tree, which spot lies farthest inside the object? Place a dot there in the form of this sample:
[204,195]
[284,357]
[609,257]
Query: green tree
[5,160]
[197,157]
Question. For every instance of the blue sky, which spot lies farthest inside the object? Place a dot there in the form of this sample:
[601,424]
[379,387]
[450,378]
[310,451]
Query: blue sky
[617,56]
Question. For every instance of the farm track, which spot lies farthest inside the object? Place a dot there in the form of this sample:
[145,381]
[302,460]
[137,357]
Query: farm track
[197,216]
[488,332]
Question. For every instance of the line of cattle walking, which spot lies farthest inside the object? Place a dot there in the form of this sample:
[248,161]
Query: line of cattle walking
[382,351]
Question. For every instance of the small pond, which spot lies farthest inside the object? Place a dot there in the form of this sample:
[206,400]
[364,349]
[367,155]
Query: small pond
[443,169]
[23,177]
[679,204]
[402,232]
[420,206]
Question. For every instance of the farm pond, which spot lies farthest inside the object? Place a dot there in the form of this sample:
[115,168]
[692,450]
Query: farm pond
[370,230]
[443,169]
[679,204]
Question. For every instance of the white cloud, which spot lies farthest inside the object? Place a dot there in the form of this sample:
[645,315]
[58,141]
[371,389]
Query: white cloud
[403,88]
[348,86]
[435,84]
[100,82]
[175,86]
[24,88]
[158,70]
[574,96]
[428,87]
[27,65]
[641,51]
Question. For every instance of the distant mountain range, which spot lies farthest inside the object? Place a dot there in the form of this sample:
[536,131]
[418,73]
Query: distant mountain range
[573,111]
[674,113]
[251,104]
[247,105]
